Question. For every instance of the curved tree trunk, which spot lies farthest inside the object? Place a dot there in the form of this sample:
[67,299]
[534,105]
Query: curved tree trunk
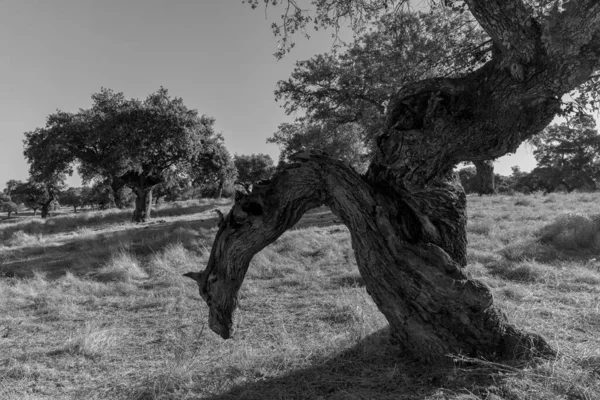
[407,214]
[410,250]
[485,176]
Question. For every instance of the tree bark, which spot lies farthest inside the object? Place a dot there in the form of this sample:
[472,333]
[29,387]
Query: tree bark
[485,177]
[406,215]
[410,250]
[143,204]
[219,192]
[45,210]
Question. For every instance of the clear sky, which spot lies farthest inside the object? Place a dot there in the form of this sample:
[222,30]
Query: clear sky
[215,54]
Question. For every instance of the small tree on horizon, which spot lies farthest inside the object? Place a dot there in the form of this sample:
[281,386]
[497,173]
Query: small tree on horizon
[39,194]
[9,207]
[568,154]
[214,166]
[72,197]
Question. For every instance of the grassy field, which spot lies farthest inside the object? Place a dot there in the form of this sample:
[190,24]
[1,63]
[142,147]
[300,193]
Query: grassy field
[96,308]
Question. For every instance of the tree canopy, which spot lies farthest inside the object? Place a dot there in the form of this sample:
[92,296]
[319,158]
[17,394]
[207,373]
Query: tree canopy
[567,154]
[126,141]
[214,166]
[344,143]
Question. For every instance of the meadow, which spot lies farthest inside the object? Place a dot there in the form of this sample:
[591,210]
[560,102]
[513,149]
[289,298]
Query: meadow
[95,307]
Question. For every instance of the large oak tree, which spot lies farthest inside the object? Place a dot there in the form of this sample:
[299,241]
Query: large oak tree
[406,215]
[137,143]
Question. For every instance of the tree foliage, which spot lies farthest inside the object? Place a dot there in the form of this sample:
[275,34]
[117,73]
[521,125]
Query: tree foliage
[567,154]
[73,197]
[9,207]
[214,167]
[36,194]
[125,141]
[343,94]
[252,168]
[343,142]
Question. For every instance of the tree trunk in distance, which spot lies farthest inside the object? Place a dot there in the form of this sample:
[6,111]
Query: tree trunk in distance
[45,210]
[219,190]
[115,188]
[485,177]
[143,204]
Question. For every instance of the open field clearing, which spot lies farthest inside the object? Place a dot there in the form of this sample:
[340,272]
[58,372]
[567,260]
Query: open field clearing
[95,307]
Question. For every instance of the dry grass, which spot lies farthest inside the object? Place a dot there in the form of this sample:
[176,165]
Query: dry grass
[99,309]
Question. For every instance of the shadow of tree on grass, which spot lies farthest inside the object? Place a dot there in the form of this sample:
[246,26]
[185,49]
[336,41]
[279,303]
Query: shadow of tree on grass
[372,369]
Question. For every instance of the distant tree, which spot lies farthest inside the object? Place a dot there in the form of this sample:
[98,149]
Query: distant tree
[99,195]
[72,197]
[11,186]
[214,166]
[4,198]
[36,194]
[502,183]
[9,207]
[468,178]
[344,142]
[485,178]
[568,154]
[254,167]
[171,188]
[132,142]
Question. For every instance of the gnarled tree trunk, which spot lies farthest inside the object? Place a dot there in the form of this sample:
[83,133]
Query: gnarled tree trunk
[485,176]
[410,250]
[406,215]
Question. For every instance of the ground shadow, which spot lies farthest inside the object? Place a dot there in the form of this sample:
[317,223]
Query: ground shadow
[81,255]
[372,369]
[91,219]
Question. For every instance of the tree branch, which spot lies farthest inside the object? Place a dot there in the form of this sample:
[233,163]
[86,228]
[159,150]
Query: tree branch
[510,25]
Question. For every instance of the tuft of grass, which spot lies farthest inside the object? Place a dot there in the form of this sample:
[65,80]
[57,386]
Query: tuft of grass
[527,271]
[22,239]
[92,341]
[167,267]
[572,232]
[529,250]
[523,201]
[122,267]
[480,227]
